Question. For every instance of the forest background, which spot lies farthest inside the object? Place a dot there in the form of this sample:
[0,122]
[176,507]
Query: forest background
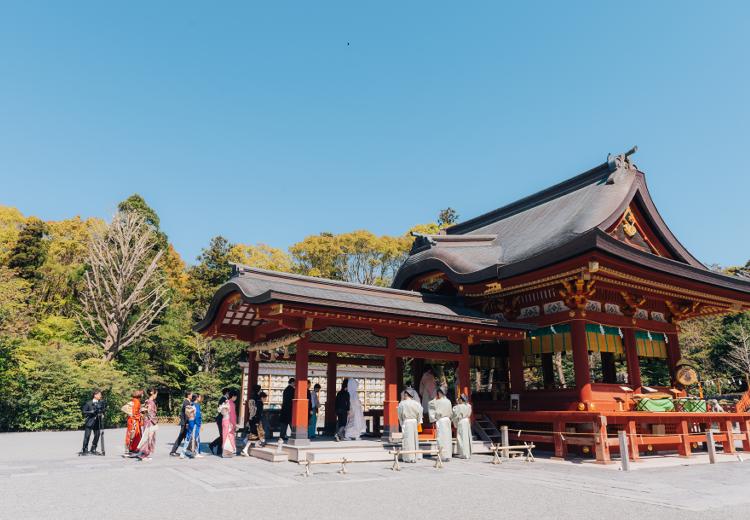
[55,347]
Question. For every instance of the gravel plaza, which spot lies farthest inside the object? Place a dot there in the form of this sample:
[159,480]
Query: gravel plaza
[43,478]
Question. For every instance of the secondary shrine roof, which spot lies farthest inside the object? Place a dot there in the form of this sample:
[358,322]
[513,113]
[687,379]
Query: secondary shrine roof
[559,222]
[259,286]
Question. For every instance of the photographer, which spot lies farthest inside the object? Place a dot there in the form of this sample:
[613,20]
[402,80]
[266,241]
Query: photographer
[93,412]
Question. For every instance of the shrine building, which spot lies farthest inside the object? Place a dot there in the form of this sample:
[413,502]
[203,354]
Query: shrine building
[558,314]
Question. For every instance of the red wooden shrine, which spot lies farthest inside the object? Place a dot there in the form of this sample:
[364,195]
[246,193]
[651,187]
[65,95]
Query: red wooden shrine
[569,300]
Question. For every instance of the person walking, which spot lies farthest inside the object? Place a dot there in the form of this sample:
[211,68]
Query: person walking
[440,411]
[229,426]
[93,411]
[135,423]
[342,404]
[215,445]
[462,421]
[409,416]
[312,429]
[191,446]
[148,441]
[183,423]
[253,412]
[285,417]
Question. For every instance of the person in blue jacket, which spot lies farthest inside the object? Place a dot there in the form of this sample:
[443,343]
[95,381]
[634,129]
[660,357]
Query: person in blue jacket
[192,443]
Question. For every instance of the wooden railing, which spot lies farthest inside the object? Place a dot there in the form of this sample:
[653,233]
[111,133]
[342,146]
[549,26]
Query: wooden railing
[744,403]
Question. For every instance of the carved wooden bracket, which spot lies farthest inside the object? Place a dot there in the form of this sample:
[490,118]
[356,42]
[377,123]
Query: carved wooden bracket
[681,310]
[508,307]
[576,296]
[632,302]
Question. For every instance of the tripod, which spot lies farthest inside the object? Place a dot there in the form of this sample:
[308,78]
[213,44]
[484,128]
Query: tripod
[100,420]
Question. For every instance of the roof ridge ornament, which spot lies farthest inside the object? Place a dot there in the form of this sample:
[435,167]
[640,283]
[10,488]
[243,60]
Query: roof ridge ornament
[622,160]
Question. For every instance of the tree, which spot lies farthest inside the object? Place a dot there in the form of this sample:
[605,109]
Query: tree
[212,270]
[11,222]
[738,356]
[447,217]
[262,256]
[15,314]
[136,204]
[30,250]
[359,256]
[123,292]
[61,275]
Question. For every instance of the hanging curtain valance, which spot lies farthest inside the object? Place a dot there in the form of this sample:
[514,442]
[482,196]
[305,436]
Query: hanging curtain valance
[546,340]
[651,344]
[604,339]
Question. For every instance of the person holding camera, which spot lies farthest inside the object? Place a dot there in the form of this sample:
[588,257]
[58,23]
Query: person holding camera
[93,412]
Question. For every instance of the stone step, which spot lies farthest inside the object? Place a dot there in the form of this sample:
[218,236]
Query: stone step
[269,454]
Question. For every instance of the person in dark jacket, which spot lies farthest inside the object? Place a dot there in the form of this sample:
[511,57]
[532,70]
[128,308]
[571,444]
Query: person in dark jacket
[183,424]
[343,402]
[285,417]
[216,443]
[92,413]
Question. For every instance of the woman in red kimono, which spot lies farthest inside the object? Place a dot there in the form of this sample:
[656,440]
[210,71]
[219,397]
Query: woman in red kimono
[135,424]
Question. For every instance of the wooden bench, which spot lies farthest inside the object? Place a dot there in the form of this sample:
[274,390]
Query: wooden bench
[397,453]
[343,461]
[507,450]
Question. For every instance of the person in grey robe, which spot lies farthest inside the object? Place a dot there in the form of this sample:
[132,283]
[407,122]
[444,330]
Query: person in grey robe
[409,416]
[440,412]
[462,421]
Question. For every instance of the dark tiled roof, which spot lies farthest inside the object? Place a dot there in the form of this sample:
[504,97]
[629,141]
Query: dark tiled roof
[544,228]
[263,286]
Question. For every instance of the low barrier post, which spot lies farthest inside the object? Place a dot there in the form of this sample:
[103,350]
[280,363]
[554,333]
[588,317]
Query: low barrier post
[624,455]
[711,445]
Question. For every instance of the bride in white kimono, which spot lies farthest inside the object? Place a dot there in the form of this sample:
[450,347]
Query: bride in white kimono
[462,421]
[440,412]
[409,416]
[427,388]
[355,421]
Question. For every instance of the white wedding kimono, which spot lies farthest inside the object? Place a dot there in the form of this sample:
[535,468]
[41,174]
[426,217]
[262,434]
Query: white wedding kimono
[462,421]
[409,416]
[440,412]
[427,389]
[355,421]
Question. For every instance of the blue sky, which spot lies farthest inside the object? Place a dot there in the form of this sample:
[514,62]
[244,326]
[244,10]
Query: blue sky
[270,121]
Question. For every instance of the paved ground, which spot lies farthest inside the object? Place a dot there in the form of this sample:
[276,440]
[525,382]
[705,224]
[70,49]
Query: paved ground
[42,478]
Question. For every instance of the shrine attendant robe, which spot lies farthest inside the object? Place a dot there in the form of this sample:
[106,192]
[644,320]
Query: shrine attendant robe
[409,416]
[440,412]
[462,421]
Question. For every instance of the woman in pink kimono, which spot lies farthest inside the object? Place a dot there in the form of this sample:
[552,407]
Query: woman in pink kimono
[229,425]
[147,445]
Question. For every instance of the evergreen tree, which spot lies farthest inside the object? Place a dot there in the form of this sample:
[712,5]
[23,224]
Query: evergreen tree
[30,250]
[212,270]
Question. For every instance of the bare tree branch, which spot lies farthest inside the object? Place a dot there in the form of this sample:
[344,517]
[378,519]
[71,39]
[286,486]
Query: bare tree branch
[124,291]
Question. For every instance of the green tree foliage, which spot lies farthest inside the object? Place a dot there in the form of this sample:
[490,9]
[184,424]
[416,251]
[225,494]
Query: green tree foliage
[210,272]
[447,217]
[11,222]
[30,250]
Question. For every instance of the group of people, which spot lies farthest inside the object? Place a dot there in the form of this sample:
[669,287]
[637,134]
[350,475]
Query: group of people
[441,413]
[140,436]
[142,425]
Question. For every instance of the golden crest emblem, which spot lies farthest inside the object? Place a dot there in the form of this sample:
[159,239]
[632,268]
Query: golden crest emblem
[628,223]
